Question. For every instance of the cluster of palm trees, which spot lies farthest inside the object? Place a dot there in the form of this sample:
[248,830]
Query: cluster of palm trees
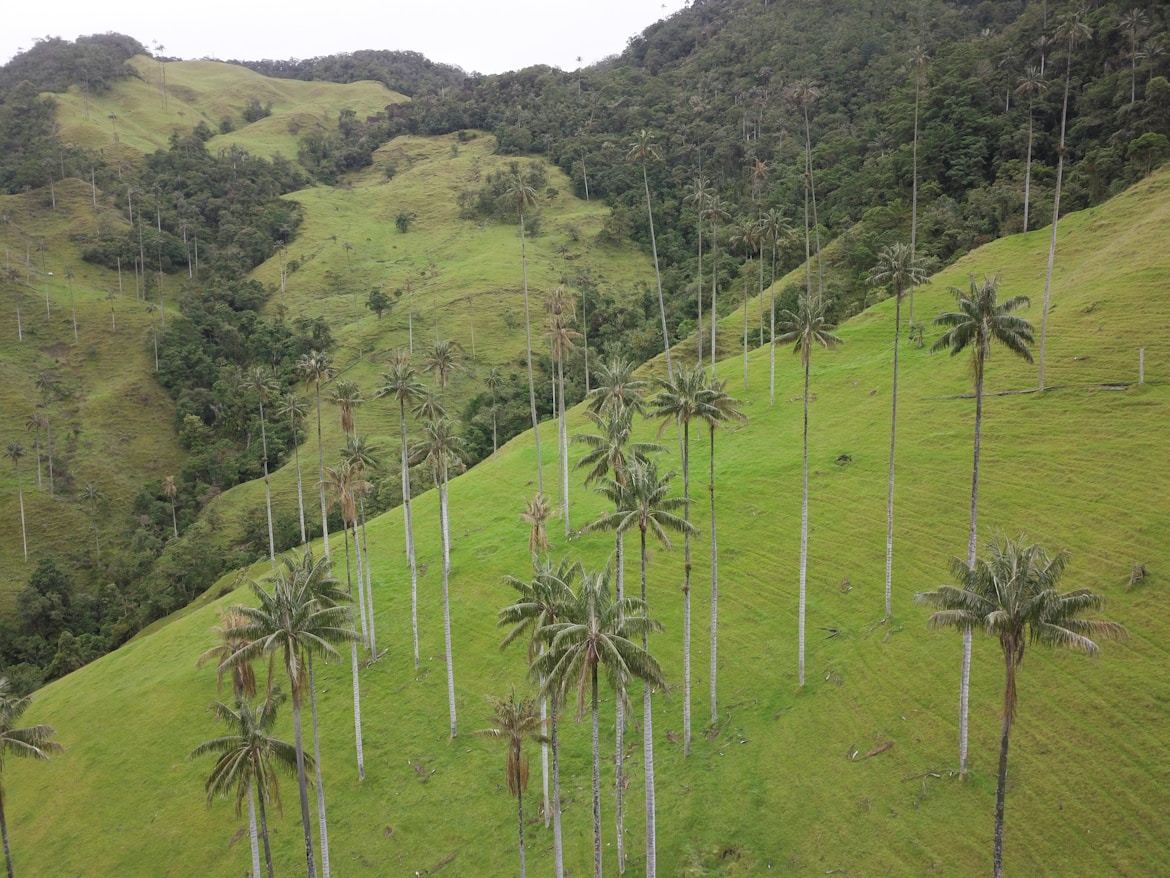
[577,635]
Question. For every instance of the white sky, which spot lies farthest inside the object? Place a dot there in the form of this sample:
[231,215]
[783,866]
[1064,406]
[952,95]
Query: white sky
[485,36]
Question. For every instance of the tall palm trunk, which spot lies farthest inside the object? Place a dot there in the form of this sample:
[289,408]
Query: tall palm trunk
[914,202]
[648,742]
[49,455]
[267,487]
[686,462]
[1028,168]
[446,535]
[563,437]
[746,296]
[699,287]
[322,821]
[520,824]
[620,733]
[23,529]
[596,783]
[804,525]
[1001,776]
[357,695]
[714,287]
[772,333]
[370,633]
[409,528]
[264,835]
[253,833]
[657,273]
[544,753]
[300,488]
[813,195]
[528,351]
[558,844]
[893,430]
[303,783]
[1055,216]
[965,681]
[8,852]
[714,585]
[321,474]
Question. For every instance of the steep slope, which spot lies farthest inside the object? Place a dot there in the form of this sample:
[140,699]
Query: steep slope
[784,781]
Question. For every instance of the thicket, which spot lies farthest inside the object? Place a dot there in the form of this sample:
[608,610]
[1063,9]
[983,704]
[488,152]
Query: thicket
[408,73]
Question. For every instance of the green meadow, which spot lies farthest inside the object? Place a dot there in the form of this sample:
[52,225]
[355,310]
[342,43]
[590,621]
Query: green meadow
[854,773]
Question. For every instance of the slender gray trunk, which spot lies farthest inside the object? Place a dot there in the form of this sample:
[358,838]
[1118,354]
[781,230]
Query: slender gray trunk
[544,774]
[686,462]
[409,528]
[1001,776]
[893,430]
[804,526]
[620,734]
[1055,220]
[714,586]
[1028,169]
[303,785]
[445,525]
[914,199]
[321,475]
[699,286]
[596,783]
[300,489]
[23,529]
[648,742]
[8,851]
[558,844]
[714,289]
[964,685]
[322,823]
[520,822]
[369,581]
[528,350]
[657,274]
[267,488]
[264,835]
[563,438]
[253,833]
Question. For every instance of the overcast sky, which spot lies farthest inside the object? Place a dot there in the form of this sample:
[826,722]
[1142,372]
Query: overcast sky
[485,36]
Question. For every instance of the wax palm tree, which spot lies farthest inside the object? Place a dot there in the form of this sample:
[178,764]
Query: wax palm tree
[342,483]
[642,503]
[14,453]
[716,211]
[293,408]
[515,721]
[492,382]
[171,491]
[918,61]
[775,228]
[93,497]
[292,622]
[521,194]
[980,320]
[898,268]
[1132,22]
[541,601]
[803,94]
[1012,595]
[597,636]
[364,457]
[402,384]
[35,423]
[264,384]
[700,195]
[616,388]
[441,449]
[347,396]
[643,150]
[559,307]
[442,361]
[680,402]
[315,368]
[1031,84]
[717,408]
[1071,31]
[26,742]
[807,328]
[536,514]
[745,237]
[249,759]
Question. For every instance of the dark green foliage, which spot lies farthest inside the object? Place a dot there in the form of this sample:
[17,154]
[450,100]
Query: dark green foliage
[254,111]
[407,73]
[94,62]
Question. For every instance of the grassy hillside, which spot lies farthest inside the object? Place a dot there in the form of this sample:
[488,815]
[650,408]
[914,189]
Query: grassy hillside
[132,114]
[774,784]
